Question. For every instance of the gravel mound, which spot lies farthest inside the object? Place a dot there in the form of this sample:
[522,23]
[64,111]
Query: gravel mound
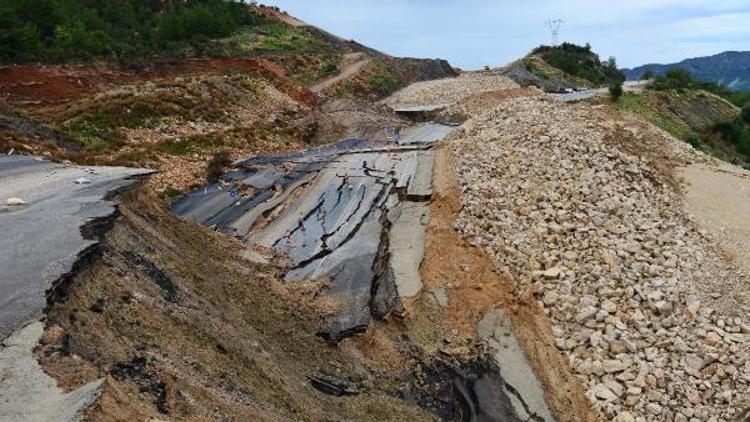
[450,90]
[599,235]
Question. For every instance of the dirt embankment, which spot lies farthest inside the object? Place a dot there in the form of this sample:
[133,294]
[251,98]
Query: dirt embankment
[34,86]
[183,328]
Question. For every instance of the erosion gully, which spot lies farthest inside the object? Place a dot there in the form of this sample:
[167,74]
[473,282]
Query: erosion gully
[355,213]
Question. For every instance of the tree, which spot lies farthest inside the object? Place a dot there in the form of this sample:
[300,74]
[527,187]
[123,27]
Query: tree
[615,90]
[746,113]
[647,75]
[612,62]
[675,78]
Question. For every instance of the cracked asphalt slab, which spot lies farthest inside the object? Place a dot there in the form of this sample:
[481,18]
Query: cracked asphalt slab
[27,393]
[42,240]
[327,211]
[355,214]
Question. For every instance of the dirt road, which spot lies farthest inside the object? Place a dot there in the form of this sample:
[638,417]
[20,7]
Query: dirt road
[719,197]
[351,64]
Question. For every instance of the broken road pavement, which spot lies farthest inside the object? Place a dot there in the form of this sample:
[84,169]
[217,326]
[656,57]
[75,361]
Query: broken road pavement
[53,229]
[355,213]
[332,207]
[44,238]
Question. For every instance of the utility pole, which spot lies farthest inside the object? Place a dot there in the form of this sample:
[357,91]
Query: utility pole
[554,28]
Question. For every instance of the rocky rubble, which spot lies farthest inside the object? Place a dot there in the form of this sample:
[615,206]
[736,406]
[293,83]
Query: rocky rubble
[617,264]
[449,91]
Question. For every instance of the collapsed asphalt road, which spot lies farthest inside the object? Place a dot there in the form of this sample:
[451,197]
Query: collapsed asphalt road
[43,238]
[353,212]
[51,217]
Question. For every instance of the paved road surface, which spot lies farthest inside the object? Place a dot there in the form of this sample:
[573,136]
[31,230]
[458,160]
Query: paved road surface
[628,86]
[42,240]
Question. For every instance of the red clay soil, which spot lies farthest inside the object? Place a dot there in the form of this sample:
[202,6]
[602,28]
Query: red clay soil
[42,85]
[277,15]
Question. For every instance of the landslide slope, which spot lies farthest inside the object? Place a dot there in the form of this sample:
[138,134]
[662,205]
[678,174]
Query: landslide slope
[238,94]
[178,323]
[182,327]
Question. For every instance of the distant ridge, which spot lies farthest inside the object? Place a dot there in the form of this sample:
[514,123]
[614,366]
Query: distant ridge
[730,68]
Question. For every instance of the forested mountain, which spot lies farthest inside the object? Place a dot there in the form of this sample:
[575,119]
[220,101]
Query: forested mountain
[64,30]
[731,69]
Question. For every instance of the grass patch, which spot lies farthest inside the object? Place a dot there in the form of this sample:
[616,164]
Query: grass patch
[640,104]
[92,137]
[275,38]
[170,195]
[381,83]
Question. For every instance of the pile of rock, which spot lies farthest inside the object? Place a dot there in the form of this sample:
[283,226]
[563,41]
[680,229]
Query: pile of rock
[616,262]
[449,91]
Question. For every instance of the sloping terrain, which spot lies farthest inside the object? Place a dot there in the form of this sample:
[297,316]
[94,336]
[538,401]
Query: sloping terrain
[176,322]
[597,233]
[179,336]
[162,319]
[689,115]
[586,211]
[318,256]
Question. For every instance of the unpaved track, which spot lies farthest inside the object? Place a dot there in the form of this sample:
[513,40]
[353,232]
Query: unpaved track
[719,196]
[351,65]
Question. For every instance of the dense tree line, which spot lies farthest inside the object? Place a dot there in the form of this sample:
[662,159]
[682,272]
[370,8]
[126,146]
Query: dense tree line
[65,30]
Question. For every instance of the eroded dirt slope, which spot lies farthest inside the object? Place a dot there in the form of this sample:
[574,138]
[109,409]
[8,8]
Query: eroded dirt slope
[180,336]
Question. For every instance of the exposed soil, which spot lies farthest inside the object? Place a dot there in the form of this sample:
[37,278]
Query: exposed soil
[274,13]
[33,86]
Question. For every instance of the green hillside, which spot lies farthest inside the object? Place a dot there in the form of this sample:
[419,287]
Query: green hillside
[67,30]
[706,115]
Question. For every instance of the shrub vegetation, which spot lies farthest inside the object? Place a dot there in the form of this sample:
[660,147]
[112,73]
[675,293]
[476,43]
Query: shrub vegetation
[615,90]
[581,62]
[680,79]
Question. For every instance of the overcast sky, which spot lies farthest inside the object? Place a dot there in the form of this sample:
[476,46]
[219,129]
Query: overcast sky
[474,33]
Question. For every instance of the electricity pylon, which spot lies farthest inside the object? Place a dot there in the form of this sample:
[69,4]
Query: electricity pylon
[554,29]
